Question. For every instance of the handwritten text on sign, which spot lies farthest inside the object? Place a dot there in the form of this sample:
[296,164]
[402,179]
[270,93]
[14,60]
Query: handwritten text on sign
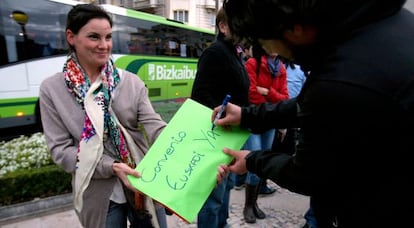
[178,182]
[179,170]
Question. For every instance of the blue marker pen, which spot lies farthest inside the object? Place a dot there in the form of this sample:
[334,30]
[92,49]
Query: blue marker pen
[220,112]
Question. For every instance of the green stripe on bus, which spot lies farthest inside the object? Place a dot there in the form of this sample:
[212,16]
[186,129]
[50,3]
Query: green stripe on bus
[17,103]
[13,107]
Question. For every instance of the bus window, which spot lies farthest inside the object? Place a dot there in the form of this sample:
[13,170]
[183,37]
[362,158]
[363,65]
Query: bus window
[137,36]
[30,37]
[161,52]
[3,52]
[133,36]
[31,33]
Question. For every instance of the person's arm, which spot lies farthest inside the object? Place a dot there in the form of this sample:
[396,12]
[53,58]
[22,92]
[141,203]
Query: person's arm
[63,147]
[149,121]
[270,115]
[135,111]
[209,81]
[281,168]
[328,138]
[255,96]
[279,89]
[261,117]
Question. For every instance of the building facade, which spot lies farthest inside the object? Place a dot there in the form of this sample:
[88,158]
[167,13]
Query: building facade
[198,13]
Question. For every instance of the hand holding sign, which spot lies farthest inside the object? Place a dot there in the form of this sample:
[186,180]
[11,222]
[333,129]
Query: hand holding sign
[180,168]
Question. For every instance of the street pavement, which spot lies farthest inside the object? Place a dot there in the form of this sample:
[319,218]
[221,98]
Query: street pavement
[284,209]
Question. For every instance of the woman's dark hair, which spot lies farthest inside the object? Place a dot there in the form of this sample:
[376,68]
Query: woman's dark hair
[257,53]
[81,14]
[287,62]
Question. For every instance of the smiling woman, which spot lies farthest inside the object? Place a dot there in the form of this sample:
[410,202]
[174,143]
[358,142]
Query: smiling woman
[90,113]
[92,44]
[163,53]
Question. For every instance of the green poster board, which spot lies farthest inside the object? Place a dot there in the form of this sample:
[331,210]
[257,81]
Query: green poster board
[180,168]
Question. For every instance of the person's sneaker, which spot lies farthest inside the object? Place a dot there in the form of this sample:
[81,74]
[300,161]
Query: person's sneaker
[239,187]
[265,190]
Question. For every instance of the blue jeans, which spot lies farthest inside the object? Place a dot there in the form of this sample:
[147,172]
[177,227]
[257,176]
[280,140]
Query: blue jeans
[118,214]
[262,141]
[240,179]
[215,210]
[310,217]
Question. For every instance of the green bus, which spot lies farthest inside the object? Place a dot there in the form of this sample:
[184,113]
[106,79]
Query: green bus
[162,52]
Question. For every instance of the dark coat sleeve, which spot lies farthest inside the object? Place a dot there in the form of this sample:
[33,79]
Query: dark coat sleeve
[282,168]
[266,116]
[208,82]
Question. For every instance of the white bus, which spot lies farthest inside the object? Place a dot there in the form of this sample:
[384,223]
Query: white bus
[33,46]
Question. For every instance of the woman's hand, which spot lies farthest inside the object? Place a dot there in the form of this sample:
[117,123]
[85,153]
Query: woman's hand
[262,90]
[222,174]
[122,170]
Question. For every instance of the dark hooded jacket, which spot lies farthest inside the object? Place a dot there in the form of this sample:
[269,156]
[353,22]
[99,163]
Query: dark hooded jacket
[220,71]
[356,114]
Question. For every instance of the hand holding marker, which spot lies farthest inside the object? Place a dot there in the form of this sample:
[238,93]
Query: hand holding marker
[220,112]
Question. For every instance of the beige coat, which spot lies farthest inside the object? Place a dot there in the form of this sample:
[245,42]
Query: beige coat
[63,118]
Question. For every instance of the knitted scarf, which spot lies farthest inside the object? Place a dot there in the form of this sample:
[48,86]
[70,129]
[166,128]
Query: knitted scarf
[100,123]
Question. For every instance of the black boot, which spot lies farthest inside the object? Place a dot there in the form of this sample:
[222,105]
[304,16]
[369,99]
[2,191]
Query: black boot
[248,211]
[257,212]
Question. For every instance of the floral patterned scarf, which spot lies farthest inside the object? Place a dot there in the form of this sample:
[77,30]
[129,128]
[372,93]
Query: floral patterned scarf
[95,99]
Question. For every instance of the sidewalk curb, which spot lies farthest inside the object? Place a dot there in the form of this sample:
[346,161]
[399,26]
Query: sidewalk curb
[35,207]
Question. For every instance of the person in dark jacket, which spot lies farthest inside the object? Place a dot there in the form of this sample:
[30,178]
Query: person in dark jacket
[220,71]
[355,110]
